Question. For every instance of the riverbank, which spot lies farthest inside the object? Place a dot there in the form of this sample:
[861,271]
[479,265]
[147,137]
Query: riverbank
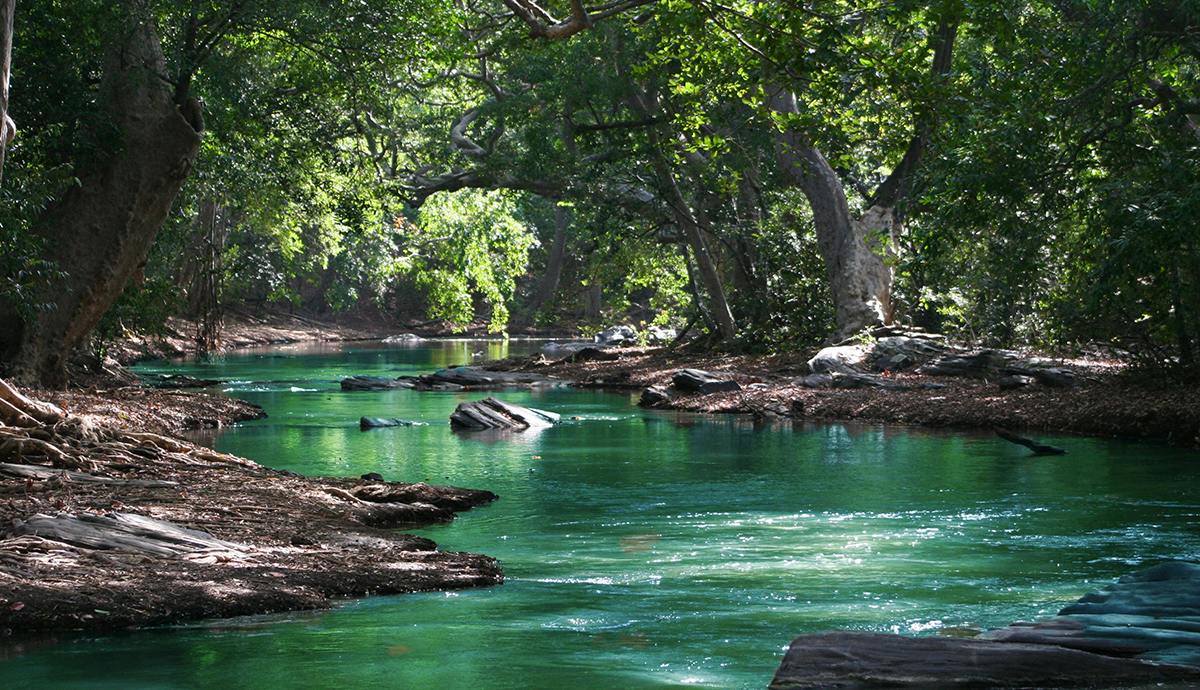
[107,551]
[1103,399]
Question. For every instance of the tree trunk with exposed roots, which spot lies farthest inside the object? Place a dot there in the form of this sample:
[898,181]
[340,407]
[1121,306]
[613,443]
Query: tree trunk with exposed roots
[100,231]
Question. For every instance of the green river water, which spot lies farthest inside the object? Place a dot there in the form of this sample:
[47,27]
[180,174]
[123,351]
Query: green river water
[652,550]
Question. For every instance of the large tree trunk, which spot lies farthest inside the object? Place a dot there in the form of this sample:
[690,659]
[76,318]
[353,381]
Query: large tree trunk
[8,130]
[859,279]
[554,264]
[101,230]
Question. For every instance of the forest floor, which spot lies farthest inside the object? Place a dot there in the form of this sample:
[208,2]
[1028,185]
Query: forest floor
[1106,401]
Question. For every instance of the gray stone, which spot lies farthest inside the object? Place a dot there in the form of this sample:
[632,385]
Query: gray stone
[816,380]
[1015,382]
[365,423]
[491,413]
[654,395]
[616,336]
[844,358]
[697,381]
[372,383]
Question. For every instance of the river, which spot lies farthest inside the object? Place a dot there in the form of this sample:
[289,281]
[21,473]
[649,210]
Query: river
[652,550]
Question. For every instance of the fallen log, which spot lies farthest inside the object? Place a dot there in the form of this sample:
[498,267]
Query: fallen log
[1037,448]
[122,532]
[365,423]
[43,473]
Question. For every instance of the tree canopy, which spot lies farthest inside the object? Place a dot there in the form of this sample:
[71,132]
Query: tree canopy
[782,174]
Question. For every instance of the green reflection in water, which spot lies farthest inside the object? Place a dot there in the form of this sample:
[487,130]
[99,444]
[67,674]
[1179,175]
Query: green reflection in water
[648,550]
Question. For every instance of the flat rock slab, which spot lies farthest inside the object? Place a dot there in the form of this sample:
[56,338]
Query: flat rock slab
[1153,614]
[491,413]
[853,660]
[697,381]
[121,531]
[372,383]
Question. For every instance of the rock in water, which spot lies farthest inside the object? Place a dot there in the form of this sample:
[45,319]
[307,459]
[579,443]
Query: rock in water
[372,383]
[365,423]
[696,381]
[858,661]
[654,395]
[491,413]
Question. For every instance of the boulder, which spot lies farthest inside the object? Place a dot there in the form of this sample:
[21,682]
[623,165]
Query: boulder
[616,336]
[561,348]
[1051,377]
[976,365]
[404,339]
[854,381]
[899,352]
[657,335]
[592,354]
[815,380]
[654,395]
[1015,382]
[844,358]
[697,381]
[491,413]
[365,423]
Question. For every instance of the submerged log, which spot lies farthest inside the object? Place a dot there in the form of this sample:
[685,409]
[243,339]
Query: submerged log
[1037,448]
[491,413]
[123,532]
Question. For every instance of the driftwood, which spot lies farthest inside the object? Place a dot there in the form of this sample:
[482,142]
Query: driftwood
[1037,448]
[122,532]
[42,473]
[491,413]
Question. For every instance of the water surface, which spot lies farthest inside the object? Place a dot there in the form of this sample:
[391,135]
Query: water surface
[654,550]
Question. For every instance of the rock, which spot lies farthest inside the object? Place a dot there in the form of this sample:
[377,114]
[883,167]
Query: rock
[365,423]
[491,413]
[175,381]
[854,381]
[1051,377]
[1153,614]
[616,336]
[592,354]
[977,365]
[404,339]
[1015,382]
[472,377]
[559,348]
[657,335]
[654,395]
[446,497]
[372,477]
[855,660]
[373,383]
[844,358]
[697,381]
[899,352]
[816,380]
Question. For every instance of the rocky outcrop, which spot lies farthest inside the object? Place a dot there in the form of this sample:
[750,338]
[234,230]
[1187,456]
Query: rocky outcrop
[491,413]
[455,379]
[1142,630]
[858,661]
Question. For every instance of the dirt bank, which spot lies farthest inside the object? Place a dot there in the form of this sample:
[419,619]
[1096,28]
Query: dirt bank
[1104,401]
[286,542]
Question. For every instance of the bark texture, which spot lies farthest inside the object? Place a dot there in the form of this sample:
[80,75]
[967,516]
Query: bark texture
[859,279]
[100,231]
[8,130]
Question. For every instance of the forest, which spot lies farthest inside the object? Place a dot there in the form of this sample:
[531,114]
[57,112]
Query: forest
[775,175]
